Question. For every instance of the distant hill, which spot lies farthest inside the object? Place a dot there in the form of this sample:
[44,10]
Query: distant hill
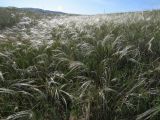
[41,11]
[10,16]
[35,10]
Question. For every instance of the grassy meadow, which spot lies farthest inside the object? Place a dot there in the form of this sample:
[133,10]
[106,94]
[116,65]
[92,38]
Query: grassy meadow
[97,71]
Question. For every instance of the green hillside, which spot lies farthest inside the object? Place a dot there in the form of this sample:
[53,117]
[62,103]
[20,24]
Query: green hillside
[103,67]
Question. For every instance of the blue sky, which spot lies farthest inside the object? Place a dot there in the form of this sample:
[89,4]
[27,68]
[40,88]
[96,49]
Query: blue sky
[85,6]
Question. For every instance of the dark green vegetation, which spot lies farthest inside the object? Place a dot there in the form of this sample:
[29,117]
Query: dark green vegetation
[7,18]
[113,74]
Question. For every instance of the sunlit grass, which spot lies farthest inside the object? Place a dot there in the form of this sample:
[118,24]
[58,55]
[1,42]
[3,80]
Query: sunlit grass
[109,71]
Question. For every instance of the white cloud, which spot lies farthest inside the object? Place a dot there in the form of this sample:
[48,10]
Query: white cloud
[60,8]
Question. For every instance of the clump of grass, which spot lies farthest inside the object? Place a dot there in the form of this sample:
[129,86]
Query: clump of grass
[113,74]
[8,18]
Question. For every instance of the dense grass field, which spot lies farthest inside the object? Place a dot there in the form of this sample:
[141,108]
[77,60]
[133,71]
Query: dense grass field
[104,67]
